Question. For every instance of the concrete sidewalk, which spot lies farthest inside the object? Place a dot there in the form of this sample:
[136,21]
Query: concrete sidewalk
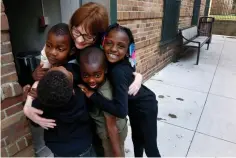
[197,103]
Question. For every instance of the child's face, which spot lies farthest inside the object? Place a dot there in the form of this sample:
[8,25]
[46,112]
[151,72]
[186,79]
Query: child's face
[93,74]
[57,48]
[116,46]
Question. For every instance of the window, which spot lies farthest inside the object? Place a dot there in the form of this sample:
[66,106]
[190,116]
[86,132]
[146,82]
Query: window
[234,5]
[170,20]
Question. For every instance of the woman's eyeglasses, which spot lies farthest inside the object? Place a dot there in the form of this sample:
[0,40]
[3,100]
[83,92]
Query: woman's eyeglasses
[86,37]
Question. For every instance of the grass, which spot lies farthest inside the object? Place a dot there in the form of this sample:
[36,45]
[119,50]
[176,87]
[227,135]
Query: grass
[231,17]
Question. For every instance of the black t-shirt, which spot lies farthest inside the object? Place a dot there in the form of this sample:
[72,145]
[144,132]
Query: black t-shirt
[72,135]
[121,77]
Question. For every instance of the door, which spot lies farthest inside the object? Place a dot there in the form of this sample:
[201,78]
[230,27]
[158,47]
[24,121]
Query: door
[196,11]
[67,9]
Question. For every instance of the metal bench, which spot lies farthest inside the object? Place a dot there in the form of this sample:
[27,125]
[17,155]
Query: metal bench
[191,38]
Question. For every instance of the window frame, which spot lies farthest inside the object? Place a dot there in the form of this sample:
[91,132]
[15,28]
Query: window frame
[165,20]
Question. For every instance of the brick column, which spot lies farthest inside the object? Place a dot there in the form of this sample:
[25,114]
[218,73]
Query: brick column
[186,13]
[15,133]
[202,9]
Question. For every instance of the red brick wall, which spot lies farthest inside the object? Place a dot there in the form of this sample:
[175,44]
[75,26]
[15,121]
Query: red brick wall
[221,7]
[144,18]
[186,13]
[202,9]
[15,134]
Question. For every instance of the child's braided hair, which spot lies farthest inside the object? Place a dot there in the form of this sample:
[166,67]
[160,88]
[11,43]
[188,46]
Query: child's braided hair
[131,50]
[120,28]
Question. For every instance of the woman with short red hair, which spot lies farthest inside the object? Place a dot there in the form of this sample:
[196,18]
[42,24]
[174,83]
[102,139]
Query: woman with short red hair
[87,24]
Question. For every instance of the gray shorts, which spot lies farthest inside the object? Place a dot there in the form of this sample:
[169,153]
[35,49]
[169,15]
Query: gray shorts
[106,143]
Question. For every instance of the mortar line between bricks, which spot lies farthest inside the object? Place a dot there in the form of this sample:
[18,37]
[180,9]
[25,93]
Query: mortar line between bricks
[5,54]
[7,117]
[13,72]
[4,111]
[26,142]
[13,105]
[8,64]
[12,89]
[6,42]
[205,101]
[16,142]
[4,140]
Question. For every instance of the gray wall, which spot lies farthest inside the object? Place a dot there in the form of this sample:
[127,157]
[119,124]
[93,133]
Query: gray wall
[105,3]
[23,17]
[68,7]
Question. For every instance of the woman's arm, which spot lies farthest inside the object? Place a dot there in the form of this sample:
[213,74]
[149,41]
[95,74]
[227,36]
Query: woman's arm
[136,85]
[34,113]
[113,134]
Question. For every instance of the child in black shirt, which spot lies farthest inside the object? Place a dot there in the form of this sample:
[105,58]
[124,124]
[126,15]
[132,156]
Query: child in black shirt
[118,45]
[72,136]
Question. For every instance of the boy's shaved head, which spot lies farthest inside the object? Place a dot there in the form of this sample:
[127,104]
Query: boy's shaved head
[93,66]
[92,55]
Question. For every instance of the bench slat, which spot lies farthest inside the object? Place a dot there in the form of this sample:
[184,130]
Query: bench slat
[201,39]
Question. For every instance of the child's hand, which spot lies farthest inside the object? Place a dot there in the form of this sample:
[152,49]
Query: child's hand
[33,93]
[136,85]
[86,91]
[26,90]
[39,72]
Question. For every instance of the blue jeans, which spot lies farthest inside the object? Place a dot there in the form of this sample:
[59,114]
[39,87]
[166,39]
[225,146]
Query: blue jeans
[88,153]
